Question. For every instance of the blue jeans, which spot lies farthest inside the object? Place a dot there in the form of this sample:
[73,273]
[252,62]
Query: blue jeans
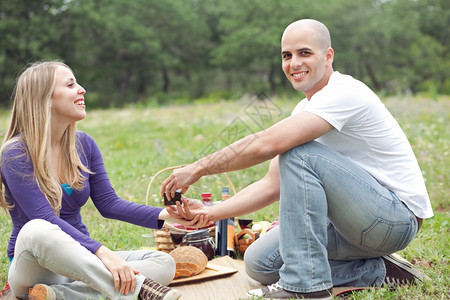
[335,222]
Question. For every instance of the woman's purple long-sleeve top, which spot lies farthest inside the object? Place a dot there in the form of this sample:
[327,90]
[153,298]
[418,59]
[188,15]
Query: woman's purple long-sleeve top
[22,190]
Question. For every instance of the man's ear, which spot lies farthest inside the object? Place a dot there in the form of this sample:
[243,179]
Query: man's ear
[330,55]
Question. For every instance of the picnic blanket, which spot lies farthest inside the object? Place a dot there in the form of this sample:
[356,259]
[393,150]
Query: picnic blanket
[230,286]
[227,283]
[233,285]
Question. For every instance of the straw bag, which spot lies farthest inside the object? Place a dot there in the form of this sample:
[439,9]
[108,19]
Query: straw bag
[162,236]
[242,244]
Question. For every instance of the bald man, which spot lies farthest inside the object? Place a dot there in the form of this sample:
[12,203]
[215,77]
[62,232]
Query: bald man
[350,189]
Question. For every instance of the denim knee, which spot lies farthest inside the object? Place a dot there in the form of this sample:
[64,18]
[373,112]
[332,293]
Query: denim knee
[251,265]
[262,259]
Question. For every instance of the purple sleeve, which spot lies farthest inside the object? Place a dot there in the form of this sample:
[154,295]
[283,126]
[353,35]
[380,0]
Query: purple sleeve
[105,198]
[17,175]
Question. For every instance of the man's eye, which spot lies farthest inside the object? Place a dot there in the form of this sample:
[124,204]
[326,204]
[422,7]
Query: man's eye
[71,84]
[285,56]
[305,53]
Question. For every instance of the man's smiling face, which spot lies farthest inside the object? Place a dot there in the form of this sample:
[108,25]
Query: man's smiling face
[306,62]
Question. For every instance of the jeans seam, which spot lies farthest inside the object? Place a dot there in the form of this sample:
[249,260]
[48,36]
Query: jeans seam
[307,221]
[273,258]
[402,241]
[312,162]
[307,156]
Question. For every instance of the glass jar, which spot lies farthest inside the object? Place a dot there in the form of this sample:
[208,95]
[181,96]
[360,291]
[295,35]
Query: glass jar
[203,241]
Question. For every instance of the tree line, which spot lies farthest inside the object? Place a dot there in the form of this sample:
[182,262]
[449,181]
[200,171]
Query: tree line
[127,51]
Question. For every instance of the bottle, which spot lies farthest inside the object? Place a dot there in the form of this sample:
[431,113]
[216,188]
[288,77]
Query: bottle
[231,228]
[221,232]
[206,199]
[221,237]
[225,193]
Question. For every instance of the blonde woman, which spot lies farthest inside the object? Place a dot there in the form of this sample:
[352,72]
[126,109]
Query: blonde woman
[48,172]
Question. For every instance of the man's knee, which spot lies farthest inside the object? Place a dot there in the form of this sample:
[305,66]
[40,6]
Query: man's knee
[299,152]
[250,258]
[260,262]
[252,264]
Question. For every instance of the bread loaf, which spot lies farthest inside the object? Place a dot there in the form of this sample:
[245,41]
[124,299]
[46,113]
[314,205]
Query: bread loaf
[189,261]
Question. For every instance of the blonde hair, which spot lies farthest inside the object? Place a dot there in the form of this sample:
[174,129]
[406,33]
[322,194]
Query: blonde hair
[30,128]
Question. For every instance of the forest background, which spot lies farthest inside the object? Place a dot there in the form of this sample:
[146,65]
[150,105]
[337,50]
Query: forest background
[168,80]
[158,52]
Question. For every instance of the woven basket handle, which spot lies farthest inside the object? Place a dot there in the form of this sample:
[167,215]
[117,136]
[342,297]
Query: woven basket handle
[176,167]
[245,231]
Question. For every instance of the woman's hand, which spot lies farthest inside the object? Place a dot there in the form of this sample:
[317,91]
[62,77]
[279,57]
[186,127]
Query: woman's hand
[189,209]
[191,213]
[124,275]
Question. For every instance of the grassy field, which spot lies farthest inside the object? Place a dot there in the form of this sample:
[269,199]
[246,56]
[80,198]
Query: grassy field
[137,142]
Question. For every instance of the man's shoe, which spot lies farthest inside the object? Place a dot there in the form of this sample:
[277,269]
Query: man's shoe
[275,292]
[151,290]
[399,272]
[41,292]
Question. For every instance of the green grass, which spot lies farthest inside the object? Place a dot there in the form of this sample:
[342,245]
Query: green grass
[137,142]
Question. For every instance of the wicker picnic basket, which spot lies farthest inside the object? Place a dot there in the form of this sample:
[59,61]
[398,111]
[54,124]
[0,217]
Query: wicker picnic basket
[162,236]
[240,243]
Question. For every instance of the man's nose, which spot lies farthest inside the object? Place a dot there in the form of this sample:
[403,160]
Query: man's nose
[296,61]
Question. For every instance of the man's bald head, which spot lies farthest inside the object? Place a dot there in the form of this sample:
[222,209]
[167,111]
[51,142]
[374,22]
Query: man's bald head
[318,30]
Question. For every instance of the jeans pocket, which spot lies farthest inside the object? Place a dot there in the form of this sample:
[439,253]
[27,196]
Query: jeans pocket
[387,237]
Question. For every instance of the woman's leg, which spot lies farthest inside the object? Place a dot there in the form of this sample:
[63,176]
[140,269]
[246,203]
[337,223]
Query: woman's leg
[46,254]
[155,265]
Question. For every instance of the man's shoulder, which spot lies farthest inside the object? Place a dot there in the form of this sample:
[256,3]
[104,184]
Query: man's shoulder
[344,85]
[338,78]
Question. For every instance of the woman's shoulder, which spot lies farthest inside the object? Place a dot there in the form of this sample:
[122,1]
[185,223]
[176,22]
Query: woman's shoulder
[14,155]
[84,138]
[86,143]
[14,147]
[82,135]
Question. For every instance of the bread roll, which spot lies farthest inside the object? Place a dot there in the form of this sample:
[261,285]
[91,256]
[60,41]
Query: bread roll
[189,261]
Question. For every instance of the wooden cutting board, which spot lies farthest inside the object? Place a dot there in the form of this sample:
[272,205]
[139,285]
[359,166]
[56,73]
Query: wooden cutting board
[211,271]
[227,281]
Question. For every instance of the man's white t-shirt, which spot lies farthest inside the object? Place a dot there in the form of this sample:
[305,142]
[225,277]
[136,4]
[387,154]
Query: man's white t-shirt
[366,133]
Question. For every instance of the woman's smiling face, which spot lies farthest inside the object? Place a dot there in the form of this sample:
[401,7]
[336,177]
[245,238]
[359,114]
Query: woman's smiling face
[68,98]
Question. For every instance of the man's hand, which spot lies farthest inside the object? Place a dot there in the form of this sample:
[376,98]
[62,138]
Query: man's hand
[189,209]
[180,178]
[124,275]
[191,213]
